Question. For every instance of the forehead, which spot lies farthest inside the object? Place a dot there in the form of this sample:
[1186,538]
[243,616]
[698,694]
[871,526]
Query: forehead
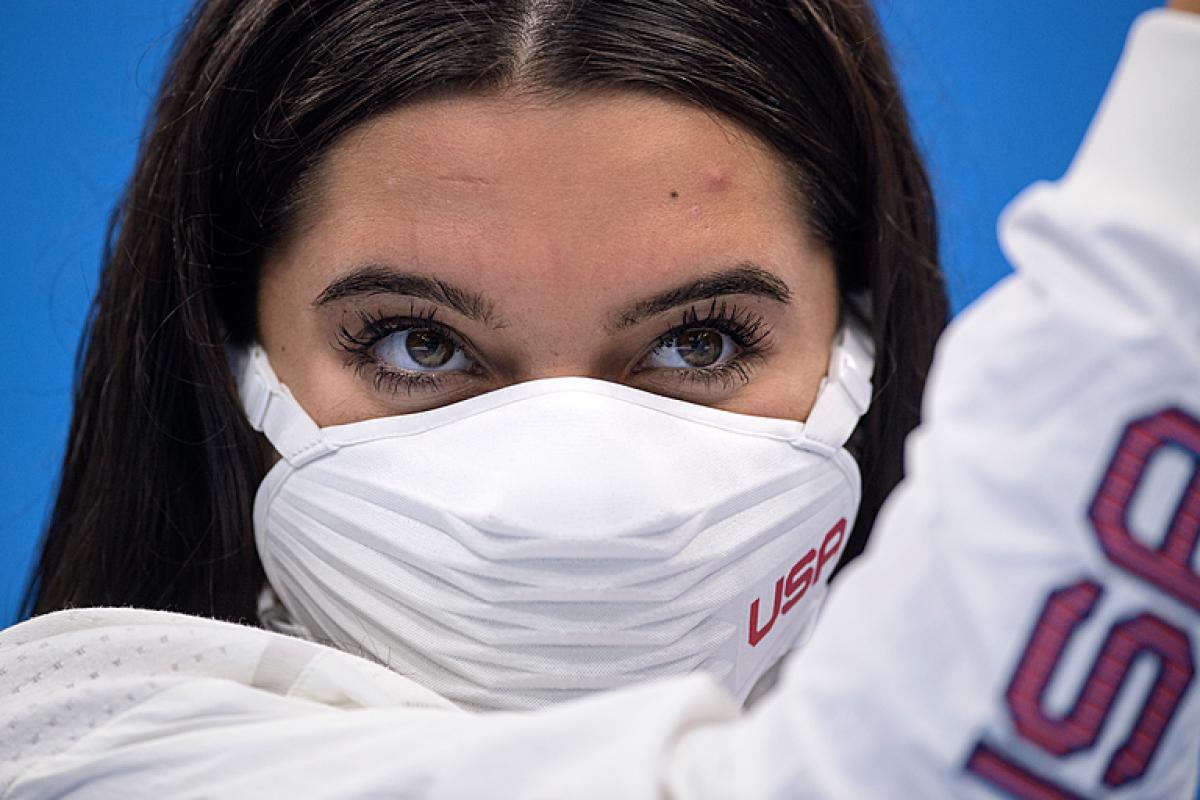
[633,140]
[630,185]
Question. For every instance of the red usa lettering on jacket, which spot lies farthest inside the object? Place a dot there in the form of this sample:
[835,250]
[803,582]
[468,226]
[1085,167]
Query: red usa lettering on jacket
[794,584]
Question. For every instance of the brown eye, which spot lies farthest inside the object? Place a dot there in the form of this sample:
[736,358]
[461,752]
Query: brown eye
[421,350]
[429,348]
[692,348]
[700,347]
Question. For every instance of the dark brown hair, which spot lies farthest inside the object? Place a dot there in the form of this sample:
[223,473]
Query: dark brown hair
[160,471]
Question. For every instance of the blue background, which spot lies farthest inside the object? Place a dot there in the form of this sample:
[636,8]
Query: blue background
[1001,94]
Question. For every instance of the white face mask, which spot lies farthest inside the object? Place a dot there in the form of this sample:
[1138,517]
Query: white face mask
[559,536]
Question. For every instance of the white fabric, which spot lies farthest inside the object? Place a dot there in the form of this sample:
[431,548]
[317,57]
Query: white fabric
[559,537]
[907,673]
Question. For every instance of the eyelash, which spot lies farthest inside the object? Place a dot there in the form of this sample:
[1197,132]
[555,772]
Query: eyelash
[360,348]
[746,329]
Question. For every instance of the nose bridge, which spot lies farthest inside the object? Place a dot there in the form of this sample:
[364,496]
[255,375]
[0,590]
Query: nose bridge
[562,365]
[566,342]
[560,309]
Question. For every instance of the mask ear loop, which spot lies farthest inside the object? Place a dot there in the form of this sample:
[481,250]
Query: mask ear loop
[845,393]
[272,410]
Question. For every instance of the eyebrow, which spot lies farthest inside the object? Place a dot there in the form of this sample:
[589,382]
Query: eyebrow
[375,279]
[745,278]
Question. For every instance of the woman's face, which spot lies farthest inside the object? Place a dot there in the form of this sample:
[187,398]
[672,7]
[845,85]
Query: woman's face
[460,245]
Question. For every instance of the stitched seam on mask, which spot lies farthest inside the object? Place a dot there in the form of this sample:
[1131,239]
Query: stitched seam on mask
[308,447]
[819,440]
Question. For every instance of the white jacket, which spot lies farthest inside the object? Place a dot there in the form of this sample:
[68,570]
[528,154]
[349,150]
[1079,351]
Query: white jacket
[1027,617]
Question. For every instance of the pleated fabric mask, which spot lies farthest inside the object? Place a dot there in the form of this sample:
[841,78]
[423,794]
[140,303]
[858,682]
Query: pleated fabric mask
[560,536]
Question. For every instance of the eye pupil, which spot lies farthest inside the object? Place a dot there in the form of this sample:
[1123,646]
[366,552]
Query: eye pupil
[700,347]
[429,348]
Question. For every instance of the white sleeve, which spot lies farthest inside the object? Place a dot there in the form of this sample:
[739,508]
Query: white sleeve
[1026,621]
[133,703]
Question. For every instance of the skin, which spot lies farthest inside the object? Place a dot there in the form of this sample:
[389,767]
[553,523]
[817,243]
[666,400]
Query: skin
[562,217]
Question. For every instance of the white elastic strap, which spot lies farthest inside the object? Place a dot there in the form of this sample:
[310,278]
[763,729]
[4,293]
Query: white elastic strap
[272,409]
[845,392]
